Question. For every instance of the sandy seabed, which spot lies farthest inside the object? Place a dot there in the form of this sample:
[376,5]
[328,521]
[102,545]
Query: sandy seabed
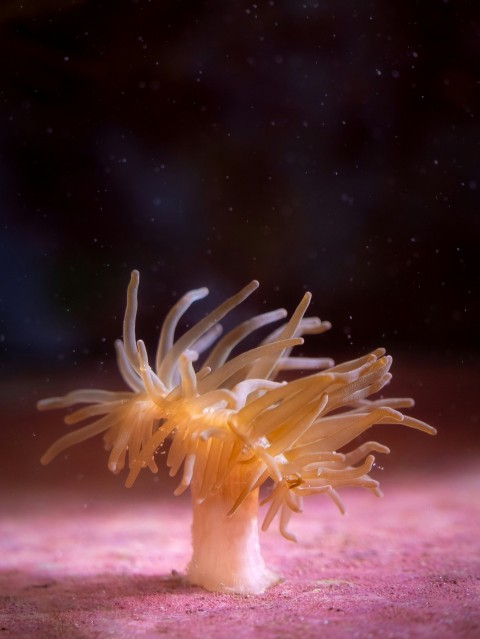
[86,565]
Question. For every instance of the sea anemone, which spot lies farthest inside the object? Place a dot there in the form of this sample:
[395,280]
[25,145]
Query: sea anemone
[231,426]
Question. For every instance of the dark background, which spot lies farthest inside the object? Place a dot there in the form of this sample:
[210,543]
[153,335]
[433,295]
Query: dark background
[323,144]
[311,144]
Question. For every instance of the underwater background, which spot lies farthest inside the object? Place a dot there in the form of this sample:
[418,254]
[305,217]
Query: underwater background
[329,146]
[321,145]
[310,145]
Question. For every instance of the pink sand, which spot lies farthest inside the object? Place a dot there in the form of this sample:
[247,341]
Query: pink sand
[84,558]
[87,565]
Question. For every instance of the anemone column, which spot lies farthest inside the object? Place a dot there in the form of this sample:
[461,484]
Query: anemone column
[226,549]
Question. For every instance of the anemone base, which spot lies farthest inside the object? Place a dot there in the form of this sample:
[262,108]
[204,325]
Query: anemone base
[226,550]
